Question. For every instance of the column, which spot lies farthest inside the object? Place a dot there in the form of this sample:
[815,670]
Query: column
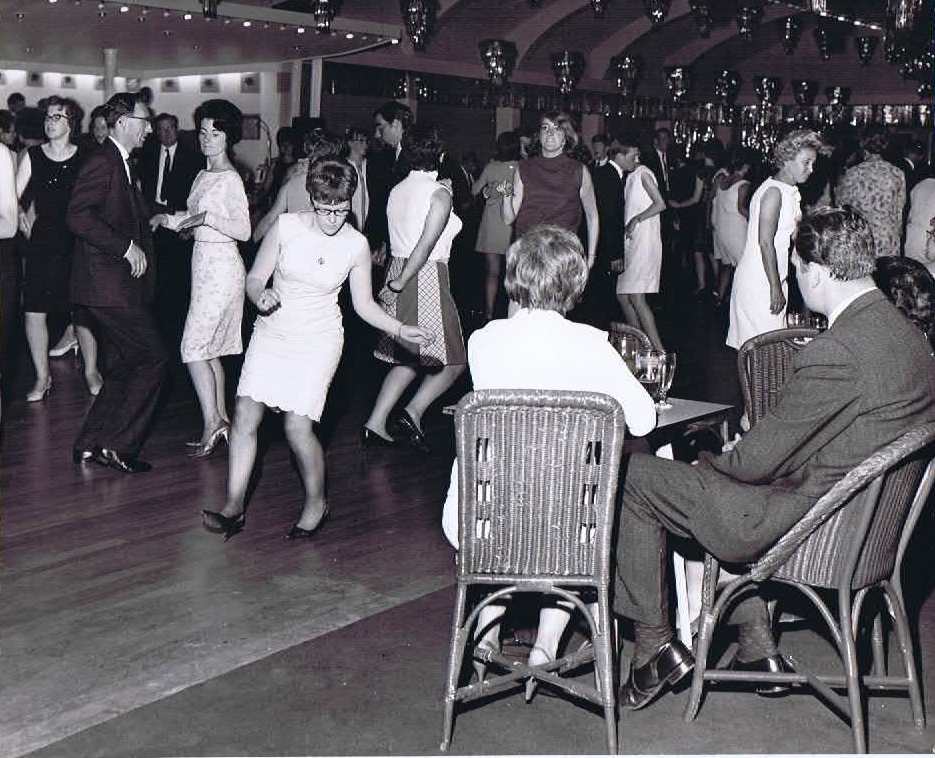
[316,82]
[110,71]
[591,124]
[295,91]
[507,119]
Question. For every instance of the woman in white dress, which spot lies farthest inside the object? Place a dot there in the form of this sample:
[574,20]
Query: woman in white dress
[920,228]
[219,215]
[758,299]
[298,338]
[729,215]
[642,246]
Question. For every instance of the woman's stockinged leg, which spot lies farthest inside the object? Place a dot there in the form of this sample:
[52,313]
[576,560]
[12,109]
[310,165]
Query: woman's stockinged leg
[647,322]
[395,383]
[203,377]
[37,337]
[89,354]
[493,267]
[220,389]
[242,454]
[433,386]
[311,463]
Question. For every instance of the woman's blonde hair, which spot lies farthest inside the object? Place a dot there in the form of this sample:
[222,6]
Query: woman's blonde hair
[545,269]
[789,146]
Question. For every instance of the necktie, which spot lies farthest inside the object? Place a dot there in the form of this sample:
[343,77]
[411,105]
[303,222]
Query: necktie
[166,168]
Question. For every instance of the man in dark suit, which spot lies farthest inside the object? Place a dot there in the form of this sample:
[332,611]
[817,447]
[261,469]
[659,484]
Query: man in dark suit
[661,161]
[385,170]
[112,280]
[915,166]
[850,394]
[167,171]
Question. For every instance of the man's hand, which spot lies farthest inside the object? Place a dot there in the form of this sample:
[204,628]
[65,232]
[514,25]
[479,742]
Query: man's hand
[378,256]
[617,265]
[137,260]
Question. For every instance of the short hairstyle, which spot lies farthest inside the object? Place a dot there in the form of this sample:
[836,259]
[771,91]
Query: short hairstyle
[662,130]
[331,180]
[15,97]
[99,112]
[286,134]
[392,111]
[325,144]
[874,139]
[29,124]
[789,146]
[226,116]
[714,149]
[167,117]
[545,269]
[72,110]
[425,148]
[508,146]
[604,139]
[911,288]
[119,105]
[740,157]
[356,133]
[838,239]
[7,120]
[917,147]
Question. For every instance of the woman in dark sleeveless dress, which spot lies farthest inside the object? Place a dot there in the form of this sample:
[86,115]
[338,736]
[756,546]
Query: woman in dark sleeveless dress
[45,179]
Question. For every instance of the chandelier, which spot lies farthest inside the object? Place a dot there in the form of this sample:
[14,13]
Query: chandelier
[804,91]
[726,86]
[656,10]
[865,48]
[701,13]
[419,16]
[747,18]
[678,82]
[767,88]
[625,71]
[568,66]
[209,8]
[324,11]
[791,32]
[598,6]
[823,42]
[498,57]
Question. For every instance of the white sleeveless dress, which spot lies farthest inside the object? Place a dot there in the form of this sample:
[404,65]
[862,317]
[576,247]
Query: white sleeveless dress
[295,350]
[749,298]
[730,227]
[643,251]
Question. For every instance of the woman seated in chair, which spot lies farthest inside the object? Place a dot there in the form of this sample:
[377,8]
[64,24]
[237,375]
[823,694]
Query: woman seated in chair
[538,348]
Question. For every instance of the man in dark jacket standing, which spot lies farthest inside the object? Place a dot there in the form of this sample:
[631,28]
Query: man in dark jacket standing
[113,278]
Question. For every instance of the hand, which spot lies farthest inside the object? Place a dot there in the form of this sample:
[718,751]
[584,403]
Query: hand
[137,260]
[192,221]
[417,334]
[156,221]
[617,265]
[447,183]
[25,224]
[505,189]
[378,256]
[631,226]
[777,301]
[590,262]
[268,301]
[387,297]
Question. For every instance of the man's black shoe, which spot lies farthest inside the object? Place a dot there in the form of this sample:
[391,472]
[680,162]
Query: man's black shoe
[81,455]
[670,663]
[112,459]
[771,664]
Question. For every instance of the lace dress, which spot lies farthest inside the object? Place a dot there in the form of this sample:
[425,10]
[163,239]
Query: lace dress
[212,327]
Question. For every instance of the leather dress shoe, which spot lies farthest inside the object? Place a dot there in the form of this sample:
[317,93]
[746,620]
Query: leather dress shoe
[670,663]
[771,664]
[112,459]
[410,432]
[82,455]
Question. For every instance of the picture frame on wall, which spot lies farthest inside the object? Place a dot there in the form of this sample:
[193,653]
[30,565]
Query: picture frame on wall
[2,78]
[210,84]
[99,83]
[133,84]
[169,85]
[251,126]
[34,79]
[250,84]
[68,82]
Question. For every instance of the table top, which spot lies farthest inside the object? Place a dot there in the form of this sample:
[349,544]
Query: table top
[683,410]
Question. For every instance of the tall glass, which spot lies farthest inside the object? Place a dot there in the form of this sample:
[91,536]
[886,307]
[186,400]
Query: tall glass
[655,370]
[627,348]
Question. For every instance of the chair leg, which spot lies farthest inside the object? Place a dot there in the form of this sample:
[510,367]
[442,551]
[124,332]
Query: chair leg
[904,638]
[702,647]
[455,658]
[849,658]
[604,664]
[876,642]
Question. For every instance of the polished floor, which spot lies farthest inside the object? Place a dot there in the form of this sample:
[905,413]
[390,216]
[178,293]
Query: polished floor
[129,630]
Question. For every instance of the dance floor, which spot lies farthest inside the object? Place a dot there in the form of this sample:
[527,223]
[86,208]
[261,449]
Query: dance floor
[129,630]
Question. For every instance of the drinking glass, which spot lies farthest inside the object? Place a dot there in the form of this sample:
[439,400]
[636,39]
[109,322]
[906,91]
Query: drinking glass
[795,319]
[627,348]
[655,370]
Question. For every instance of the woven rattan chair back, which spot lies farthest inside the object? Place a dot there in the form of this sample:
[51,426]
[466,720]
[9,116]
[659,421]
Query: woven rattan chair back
[538,473]
[764,365]
[626,338]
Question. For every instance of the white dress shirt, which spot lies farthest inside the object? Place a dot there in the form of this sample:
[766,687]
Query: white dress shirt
[126,158]
[839,309]
[9,209]
[539,349]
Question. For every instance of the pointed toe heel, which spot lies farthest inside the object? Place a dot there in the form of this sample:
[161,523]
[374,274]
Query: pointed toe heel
[203,450]
[38,394]
[369,438]
[298,533]
[217,523]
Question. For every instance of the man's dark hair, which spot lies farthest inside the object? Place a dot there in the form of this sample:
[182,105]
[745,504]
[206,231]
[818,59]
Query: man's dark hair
[390,111]
[14,98]
[508,146]
[839,239]
[120,104]
[425,148]
[7,120]
[167,117]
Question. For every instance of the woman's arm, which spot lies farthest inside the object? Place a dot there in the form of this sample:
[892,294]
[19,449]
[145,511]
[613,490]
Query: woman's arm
[9,210]
[233,220]
[589,204]
[23,175]
[657,207]
[480,182]
[512,201]
[743,199]
[694,199]
[367,308]
[766,229]
[277,209]
[266,300]
[439,211]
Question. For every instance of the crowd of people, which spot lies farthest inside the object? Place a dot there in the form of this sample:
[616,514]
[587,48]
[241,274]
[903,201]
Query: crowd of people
[569,239]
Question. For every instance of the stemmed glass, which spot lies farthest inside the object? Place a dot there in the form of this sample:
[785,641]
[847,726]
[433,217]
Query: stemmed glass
[627,348]
[656,369]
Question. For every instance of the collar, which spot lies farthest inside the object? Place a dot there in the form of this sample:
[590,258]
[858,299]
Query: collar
[399,149]
[617,168]
[123,151]
[842,306]
[171,149]
[603,161]
[912,166]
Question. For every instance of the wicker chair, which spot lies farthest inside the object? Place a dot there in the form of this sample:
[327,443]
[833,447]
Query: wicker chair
[764,364]
[537,482]
[621,335]
[852,541]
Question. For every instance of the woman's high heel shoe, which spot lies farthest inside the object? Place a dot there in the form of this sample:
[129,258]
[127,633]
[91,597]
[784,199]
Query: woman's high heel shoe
[203,450]
[532,682]
[39,393]
[62,349]
[480,666]
[218,523]
[298,533]
[369,438]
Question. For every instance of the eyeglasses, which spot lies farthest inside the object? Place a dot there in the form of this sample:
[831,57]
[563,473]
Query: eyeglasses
[335,213]
[56,117]
[551,129]
[138,118]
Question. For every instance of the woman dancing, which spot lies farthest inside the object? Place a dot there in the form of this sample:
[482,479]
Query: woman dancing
[298,338]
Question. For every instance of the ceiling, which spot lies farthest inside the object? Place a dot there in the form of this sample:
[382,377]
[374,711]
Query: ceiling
[70,34]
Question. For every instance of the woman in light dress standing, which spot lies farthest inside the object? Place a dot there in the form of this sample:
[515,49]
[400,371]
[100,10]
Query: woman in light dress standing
[219,215]
[298,338]
[758,299]
[729,215]
[642,246]
[493,237]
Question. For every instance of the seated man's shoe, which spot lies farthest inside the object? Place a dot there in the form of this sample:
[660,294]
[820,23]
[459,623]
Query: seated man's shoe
[82,455]
[771,664]
[112,459]
[670,663]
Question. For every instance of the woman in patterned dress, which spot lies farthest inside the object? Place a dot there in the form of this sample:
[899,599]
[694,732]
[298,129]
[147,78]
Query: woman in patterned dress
[422,227]
[218,212]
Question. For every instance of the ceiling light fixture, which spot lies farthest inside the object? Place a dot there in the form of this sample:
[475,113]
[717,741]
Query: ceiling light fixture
[323,11]
[209,8]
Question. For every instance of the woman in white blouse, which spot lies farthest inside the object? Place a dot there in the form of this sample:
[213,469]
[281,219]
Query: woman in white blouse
[538,348]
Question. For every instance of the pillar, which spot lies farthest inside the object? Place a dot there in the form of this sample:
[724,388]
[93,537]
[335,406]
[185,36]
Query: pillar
[507,119]
[591,124]
[110,71]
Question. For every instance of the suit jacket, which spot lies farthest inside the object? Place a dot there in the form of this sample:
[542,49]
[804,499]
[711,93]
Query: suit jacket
[462,199]
[384,171]
[849,395]
[105,213]
[650,159]
[185,167]
[608,191]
